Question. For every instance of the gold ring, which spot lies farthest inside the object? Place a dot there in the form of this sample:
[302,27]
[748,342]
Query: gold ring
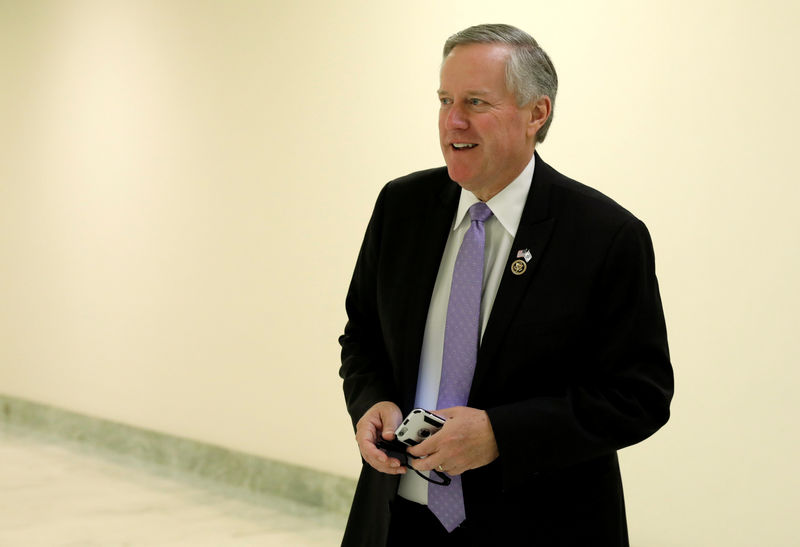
[440,468]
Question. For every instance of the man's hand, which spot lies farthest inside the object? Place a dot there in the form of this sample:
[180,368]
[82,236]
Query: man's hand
[379,421]
[466,441]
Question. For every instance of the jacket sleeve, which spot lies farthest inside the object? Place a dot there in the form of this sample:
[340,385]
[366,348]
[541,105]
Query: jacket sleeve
[620,394]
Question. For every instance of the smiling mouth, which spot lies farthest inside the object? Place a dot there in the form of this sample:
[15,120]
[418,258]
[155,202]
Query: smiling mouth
[462,146]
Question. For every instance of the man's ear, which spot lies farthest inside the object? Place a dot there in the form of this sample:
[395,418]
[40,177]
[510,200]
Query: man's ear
[540,110]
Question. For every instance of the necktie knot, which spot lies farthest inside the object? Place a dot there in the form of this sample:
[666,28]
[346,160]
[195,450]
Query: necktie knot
[480,212]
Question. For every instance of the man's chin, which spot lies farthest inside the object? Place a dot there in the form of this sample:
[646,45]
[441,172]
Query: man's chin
[460,176]
[481,189]
[469,185]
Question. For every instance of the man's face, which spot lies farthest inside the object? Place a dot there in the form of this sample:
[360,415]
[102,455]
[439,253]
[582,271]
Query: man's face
[486,139]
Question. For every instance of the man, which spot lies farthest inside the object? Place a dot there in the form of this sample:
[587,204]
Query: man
[560,358]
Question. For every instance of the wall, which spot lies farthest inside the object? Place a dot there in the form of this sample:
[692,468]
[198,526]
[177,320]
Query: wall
[184,186]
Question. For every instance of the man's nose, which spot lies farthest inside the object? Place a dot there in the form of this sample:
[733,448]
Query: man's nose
[456,118]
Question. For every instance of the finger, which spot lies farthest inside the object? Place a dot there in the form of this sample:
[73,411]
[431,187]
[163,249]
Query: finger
[371,452]
[380,461]
[425,448]
[365,438]
[429,463]
[390,419]
[392,466]
[394,469]
[375,457]
[388,434]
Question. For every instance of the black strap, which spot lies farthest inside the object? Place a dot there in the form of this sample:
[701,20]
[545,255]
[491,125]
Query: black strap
[396,449]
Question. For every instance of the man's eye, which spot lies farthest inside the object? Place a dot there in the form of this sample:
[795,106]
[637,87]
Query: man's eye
[445,100]
[475,102]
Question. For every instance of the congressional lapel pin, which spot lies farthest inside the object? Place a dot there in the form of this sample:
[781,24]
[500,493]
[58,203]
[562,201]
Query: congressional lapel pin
[518,267]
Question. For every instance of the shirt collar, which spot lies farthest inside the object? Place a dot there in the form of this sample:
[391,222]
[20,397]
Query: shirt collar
[507,205]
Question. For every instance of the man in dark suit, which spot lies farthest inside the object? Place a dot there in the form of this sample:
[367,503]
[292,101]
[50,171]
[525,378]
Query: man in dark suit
[569,359]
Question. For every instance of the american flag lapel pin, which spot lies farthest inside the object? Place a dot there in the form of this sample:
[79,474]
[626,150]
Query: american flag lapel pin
[519,266]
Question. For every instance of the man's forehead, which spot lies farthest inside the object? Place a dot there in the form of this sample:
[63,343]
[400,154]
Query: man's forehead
[475,60]
[473,73]
[477,92]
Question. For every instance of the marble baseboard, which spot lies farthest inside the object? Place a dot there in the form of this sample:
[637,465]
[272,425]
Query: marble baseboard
[239,473]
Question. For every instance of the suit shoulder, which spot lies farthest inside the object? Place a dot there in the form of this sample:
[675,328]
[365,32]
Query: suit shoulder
[419,181]
[582,201]
[416,190]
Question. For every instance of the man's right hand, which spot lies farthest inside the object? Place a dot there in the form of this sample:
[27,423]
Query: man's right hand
[379,421]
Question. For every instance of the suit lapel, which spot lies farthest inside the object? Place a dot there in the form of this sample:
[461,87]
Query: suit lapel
[431,237]
[533,234]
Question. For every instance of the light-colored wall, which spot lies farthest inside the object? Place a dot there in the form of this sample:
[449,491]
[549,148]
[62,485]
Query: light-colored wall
[184,186]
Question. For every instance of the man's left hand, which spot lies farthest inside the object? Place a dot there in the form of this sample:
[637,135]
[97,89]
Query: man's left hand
[466,441]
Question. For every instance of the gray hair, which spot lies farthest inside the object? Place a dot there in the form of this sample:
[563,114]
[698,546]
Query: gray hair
[529,72]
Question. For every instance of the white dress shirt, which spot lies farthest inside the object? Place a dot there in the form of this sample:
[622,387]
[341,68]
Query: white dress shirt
[500,229]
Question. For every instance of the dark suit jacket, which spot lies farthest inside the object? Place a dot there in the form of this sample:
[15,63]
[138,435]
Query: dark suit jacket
[573,363]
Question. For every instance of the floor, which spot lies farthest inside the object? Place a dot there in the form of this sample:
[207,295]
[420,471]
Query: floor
[57,494]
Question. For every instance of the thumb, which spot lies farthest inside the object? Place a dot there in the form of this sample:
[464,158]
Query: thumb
[388,427]
[390,419]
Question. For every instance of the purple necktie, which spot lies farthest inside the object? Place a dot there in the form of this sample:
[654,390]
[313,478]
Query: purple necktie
[461,339]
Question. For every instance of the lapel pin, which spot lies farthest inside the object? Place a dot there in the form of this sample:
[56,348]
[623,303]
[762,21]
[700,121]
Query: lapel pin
[518,267]
[525,253]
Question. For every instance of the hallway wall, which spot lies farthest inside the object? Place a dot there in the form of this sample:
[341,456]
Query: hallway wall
[184,187]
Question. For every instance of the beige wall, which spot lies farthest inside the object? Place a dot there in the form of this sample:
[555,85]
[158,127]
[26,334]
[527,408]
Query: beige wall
[184,186]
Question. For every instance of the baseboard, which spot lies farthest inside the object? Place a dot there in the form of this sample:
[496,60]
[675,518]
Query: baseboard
[236,471]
